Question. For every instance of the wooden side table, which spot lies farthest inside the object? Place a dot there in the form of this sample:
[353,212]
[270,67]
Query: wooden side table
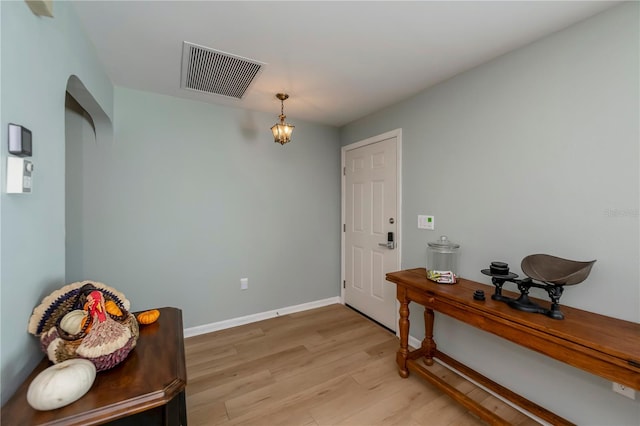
[601,345]
[147,388]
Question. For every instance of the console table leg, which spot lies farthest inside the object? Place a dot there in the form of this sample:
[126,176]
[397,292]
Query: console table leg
[428,344]
[403,352]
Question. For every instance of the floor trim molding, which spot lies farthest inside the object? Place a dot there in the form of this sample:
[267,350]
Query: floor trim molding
[247,319]
[416,343]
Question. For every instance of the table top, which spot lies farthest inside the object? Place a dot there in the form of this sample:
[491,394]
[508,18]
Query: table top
[152,374]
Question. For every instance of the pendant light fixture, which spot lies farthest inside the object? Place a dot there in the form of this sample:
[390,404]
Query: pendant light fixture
[282,131]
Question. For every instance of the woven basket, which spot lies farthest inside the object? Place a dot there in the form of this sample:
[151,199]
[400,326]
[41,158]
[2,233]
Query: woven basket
[106,350]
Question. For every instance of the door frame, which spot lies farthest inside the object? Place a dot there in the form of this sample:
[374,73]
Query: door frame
[397,133]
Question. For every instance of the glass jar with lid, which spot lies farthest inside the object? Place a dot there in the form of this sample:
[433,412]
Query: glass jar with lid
[442,261]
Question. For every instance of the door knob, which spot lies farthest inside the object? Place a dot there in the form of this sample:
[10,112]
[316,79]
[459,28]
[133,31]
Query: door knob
[390,244]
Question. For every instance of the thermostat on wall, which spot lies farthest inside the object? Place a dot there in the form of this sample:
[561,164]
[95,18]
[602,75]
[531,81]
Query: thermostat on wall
[19,141]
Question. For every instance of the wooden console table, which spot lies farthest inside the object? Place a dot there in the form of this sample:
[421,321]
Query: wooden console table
[601,345]
[147,388]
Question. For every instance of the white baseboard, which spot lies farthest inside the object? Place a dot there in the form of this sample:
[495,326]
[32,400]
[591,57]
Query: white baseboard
[234,322]
[415,343]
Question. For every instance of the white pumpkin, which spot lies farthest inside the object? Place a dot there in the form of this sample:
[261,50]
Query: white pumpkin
[72,322]
[61,384]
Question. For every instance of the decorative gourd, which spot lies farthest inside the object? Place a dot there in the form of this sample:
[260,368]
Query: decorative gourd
[73,322]
[148,317]
[61,384]
[111,307]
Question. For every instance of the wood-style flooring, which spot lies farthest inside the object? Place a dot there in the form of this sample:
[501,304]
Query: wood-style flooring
[326,366]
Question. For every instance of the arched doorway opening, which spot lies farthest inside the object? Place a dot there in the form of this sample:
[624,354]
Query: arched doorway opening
[86,125]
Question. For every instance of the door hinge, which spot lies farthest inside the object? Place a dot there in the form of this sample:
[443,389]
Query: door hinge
[344,283]
[344,227]
[344,171]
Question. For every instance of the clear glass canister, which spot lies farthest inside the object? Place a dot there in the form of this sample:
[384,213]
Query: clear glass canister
[442,261]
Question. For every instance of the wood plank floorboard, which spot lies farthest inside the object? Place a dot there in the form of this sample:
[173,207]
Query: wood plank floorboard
[321,367]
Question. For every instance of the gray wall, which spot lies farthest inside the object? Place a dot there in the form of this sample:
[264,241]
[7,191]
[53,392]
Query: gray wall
[79,132]
[192,197]
[534,152]
[38,56]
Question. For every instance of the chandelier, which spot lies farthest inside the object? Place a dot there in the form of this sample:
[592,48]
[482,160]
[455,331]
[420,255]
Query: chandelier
[282,131]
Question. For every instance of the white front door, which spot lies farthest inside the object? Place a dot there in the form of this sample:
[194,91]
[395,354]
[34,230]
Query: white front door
[371,213]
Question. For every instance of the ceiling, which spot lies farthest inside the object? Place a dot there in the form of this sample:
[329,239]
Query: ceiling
[339,61]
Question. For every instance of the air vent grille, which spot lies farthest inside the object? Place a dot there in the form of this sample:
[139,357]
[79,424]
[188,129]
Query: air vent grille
[212,71]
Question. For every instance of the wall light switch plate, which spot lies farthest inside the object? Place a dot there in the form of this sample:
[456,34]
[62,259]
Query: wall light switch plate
[426,222]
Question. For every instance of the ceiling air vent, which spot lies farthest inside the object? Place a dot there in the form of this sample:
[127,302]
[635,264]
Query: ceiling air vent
[212,71]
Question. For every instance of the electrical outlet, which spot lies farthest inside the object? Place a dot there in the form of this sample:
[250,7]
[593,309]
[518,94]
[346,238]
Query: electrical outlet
[624,390]
[244,283]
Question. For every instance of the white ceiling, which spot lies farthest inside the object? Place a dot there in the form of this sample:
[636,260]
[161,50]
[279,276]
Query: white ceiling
[339,61]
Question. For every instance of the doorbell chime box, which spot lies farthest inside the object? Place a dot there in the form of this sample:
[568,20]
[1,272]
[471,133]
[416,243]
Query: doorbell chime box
[19,140]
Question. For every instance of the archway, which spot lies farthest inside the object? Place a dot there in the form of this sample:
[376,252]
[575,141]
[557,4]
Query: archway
[86,124]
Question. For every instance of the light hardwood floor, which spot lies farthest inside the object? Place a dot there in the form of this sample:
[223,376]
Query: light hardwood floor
[326,366]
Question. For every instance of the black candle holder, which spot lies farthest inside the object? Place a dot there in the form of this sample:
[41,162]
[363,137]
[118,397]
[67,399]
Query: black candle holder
[553,272]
